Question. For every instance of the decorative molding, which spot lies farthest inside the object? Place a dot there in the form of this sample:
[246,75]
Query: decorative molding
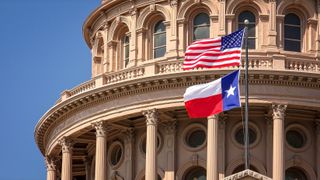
[66,145]
[170,127]
[100,127]
[246,174]
[152,116]
[51,163]
[278,111]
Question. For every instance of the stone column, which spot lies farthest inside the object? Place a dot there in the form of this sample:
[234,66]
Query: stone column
[318,148]
[129,153]
[66,171]
[212,148]
[151,154]
[87,162]
[170,136]
[278,141]
[51,168]
[101,151]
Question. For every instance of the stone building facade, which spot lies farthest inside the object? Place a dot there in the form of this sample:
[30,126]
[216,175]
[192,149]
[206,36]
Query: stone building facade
[129,122]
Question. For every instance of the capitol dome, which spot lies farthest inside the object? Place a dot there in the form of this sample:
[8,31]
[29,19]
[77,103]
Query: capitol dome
[128,122]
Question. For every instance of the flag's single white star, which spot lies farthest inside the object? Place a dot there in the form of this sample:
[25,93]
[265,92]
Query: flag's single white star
[230,91]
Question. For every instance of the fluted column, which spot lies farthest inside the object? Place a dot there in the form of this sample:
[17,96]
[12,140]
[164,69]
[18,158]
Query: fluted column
[278,141]
[66,171]
[101,151]
[212,148]
[318,148]
[87,162]
[151,154]
[51,168]
[269,144]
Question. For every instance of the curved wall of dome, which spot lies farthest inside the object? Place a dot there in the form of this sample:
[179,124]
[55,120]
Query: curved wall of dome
[129,121]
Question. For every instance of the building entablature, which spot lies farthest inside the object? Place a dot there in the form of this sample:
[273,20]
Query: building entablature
[48,127]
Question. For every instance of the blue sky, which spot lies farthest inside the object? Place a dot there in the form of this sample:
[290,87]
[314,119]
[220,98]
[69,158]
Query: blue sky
[42,53]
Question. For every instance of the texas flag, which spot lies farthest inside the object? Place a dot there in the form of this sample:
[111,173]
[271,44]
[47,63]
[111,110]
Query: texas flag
[204,100]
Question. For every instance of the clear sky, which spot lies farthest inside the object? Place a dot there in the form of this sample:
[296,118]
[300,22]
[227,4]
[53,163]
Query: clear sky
[42,53]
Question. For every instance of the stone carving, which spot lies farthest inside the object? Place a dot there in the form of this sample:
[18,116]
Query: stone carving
[152,116]
[247,174]
[100,127]
[66,145]
[170,127]
[50,163]
[129,135]
[278,111]
[173,3]
[116,176]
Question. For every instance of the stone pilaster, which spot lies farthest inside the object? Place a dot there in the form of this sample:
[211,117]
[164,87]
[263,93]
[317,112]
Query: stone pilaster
[51,168]
[222,17]
[222,146]
[101,151]
[272,39]
[170,136]
[317,122]
[129,153]
[87,162]
[66,170]
[151,149]
[269,144]
[212,147]
[278,141]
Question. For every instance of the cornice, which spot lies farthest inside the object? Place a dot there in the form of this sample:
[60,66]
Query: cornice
[159,82]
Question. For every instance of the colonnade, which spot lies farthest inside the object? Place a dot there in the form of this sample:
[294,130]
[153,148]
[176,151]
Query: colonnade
[152,119]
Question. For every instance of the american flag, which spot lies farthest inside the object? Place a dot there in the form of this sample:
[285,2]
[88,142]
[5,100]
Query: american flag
[215,53]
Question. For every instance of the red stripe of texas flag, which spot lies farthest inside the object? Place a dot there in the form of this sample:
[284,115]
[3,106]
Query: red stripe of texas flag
[204,107]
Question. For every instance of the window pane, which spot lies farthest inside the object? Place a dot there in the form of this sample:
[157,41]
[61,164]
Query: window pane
[197,173]
[292,32]
[159,52]
[159,40]
[159,27]
[292,45]
[292,19]
[201,19]
[252,43]
[247,15]
[196,138]
[251,30]
[201,33]
[295,174]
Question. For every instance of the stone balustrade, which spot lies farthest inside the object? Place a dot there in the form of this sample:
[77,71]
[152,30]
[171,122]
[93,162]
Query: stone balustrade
[175,66]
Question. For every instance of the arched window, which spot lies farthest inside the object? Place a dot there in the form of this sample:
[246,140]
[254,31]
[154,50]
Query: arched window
[201,27]
[292,33]
[196,173]
[159,40]
[125,50]
[295,173]
[251,27]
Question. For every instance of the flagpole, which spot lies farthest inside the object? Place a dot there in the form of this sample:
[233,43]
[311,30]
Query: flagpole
[246,140]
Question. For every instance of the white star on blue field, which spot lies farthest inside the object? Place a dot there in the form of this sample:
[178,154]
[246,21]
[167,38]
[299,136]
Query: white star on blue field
[42,53]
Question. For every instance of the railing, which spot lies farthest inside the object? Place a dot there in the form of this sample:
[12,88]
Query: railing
[307,64]
[83,87]
[123,75]
[302,65]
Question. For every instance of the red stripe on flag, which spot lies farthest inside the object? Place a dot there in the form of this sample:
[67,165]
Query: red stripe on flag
[212,66]
[204,107]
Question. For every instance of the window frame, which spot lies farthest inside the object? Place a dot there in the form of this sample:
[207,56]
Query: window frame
[250,23]
[291,25]
[193,25]
[153,39]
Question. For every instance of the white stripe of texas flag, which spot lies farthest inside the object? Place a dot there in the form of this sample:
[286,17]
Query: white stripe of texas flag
[203,90]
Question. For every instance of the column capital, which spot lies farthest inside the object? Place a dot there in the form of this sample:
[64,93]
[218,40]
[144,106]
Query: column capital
[87,159]
[51,163]
[152,116]
[170,127]
[66,144]
[129,135]
[101,130]
[213,117]
[278,111]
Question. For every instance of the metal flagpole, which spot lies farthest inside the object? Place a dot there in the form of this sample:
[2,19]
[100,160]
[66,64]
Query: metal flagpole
[246,140]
